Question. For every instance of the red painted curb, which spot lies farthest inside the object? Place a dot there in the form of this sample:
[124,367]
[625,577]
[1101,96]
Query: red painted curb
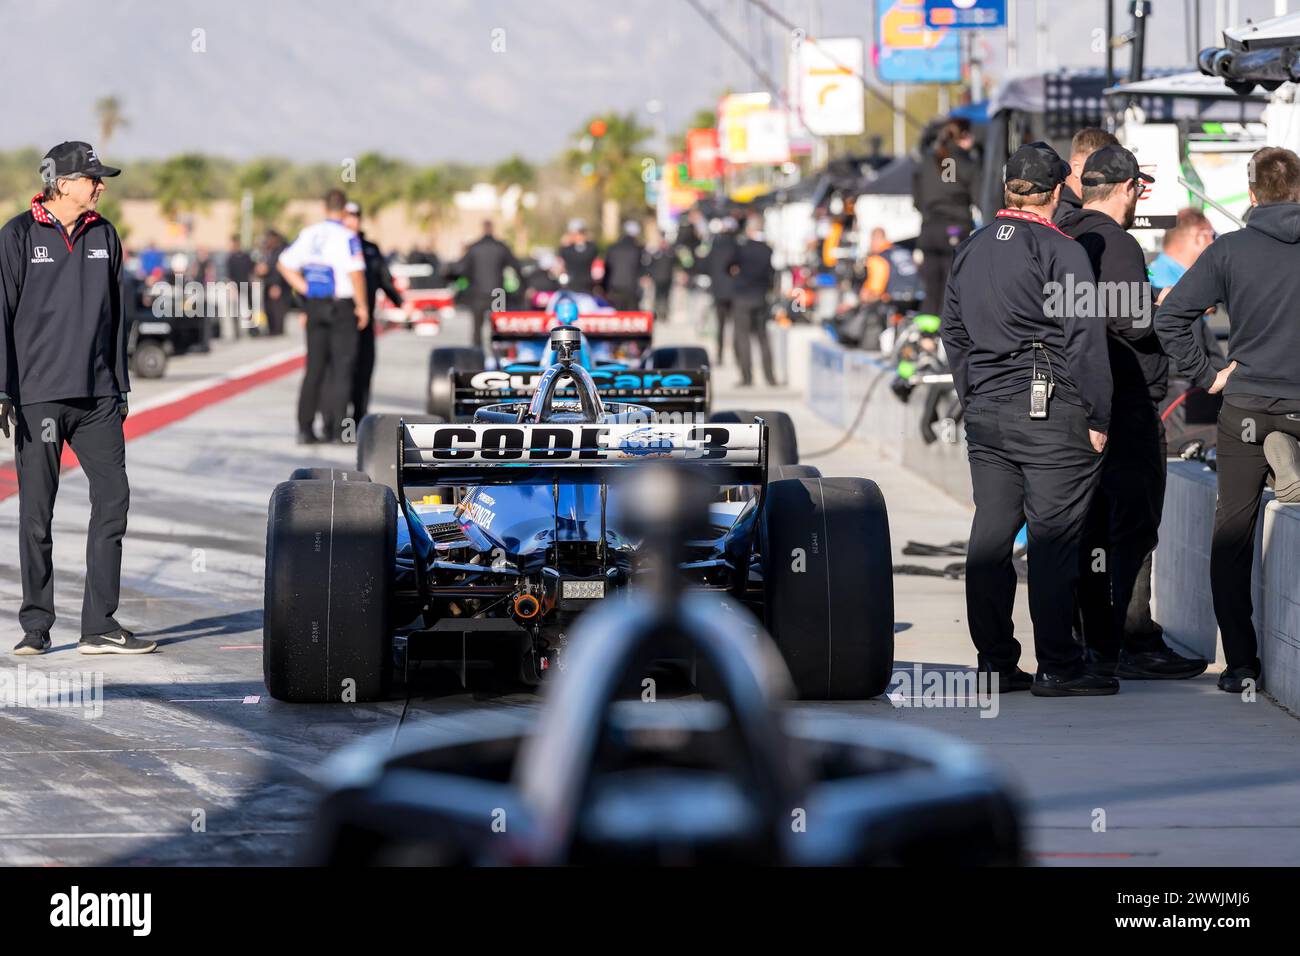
[159,416]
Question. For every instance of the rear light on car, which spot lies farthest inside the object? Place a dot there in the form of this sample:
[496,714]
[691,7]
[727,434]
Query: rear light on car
[582,590]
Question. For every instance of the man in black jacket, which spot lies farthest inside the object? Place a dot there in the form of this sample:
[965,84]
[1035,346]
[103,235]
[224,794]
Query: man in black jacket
[722,251]
[1255,273]
[578,255]
[661,262]
[1125,515]
[624,268]
[63,378]
[1035,388]
[484,264]
[752,280]
[377,277]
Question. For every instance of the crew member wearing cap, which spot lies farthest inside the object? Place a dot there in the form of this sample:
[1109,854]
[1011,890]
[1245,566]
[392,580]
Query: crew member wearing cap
[1124,520]
[377,277]
[1084,143]
[1035,386]
[1255,273]
[63,378]
[324,265]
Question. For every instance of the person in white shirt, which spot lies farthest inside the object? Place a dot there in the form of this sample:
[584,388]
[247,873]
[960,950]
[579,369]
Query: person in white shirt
[325,266]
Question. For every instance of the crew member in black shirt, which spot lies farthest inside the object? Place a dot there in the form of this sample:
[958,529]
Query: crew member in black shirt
[377,277]
[578,255]
[484,264]
[63,378]
[1124,520]
[752,278]
[1035,387]
[1255,273]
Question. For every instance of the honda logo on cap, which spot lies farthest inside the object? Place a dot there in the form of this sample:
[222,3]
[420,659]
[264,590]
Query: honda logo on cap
[1005,231]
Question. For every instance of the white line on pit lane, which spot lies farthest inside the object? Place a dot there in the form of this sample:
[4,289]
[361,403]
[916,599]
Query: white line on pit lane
[152,834]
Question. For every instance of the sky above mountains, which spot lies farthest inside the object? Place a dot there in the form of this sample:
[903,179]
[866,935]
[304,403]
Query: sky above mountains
[432,80]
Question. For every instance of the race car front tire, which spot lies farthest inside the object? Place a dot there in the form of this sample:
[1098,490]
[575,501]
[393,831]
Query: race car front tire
[330,550]
[828,585]
[377,444]
[678,357]
[442,360]
[327,474]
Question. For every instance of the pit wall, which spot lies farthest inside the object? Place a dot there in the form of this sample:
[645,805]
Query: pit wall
[836,382]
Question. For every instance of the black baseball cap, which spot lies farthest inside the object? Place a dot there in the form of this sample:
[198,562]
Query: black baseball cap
[74,158]
[1039,165]
[1112,164]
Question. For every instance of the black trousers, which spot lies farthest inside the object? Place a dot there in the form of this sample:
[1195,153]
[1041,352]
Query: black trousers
[1123,525]
[1040,473]
[363,372]
[625,300]
[331,358]
[480,307]
[662,293]
[935,266]
[93,427]
[722,309]
[1242,471]
[749,317]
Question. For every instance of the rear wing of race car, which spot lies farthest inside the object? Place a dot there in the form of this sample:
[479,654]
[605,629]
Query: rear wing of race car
[622,326]
[494,454]
[664,390]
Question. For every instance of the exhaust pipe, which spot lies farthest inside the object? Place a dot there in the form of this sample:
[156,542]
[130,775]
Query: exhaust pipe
[526,606]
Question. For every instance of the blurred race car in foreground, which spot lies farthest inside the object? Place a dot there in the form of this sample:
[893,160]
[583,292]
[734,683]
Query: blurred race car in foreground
[426,299]
[616,352]
[502,531]
[738,778]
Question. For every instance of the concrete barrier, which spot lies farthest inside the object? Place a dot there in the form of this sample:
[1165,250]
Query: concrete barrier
[838,380]
[1181,585]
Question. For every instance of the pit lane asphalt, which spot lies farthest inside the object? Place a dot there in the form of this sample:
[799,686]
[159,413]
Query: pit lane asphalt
[188,736]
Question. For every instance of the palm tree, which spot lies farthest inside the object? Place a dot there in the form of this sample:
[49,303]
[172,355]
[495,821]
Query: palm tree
[429,193]
[260,177]
[184,183]
[111,119]
[611,163]
[515,171]
[379,182]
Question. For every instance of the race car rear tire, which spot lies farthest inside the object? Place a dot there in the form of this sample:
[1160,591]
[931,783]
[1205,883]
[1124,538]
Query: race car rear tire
[330,549]
[828,585]
[782,442]
[327,474]
[678,357]
[438,395]
[779,472]
[377,444]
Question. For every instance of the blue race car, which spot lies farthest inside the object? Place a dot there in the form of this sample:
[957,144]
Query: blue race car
[504,529]
[616,352]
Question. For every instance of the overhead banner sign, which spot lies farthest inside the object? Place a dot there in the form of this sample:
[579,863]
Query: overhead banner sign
[907,51]
[966,14]
[830,93]
[751,131]
[702,153]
